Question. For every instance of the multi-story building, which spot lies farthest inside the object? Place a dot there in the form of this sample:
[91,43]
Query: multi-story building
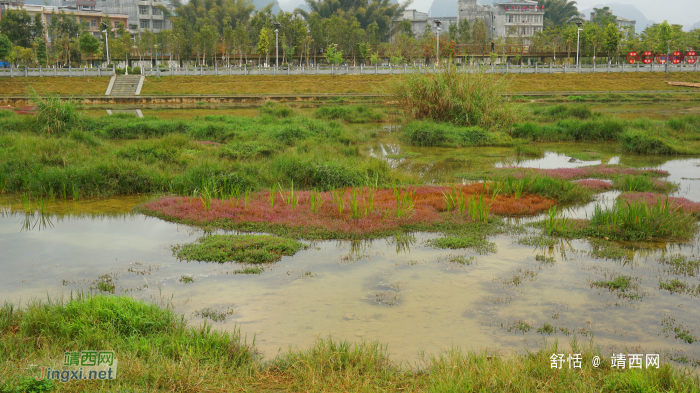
[623,23]
[9,3]
[420,19]
[91,18]
[519,19]
[143,14]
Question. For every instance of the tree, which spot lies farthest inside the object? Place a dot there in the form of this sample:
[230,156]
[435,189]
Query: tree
[479,33]
[603,17]
[63,30]
[242,41]
[89,44]
[264,44]
[17,25]
[333,55]
[229,40]
[41,56]
[591,37]
[611,39]
[381,12]
[405,28]
[558,12]
[463,34]
[5,46]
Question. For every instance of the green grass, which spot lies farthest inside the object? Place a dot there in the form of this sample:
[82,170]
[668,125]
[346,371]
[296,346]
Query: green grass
[430,133]
[123,155]
[237,248]
[677,286]
[158,352]
[636,221]
[350,113]
[475,242]
[640,136]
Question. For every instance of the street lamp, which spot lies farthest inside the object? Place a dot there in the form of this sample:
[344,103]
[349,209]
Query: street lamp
[668,53]
[106,41]
[437,54]
[578,38]
[156,46]
[277,30]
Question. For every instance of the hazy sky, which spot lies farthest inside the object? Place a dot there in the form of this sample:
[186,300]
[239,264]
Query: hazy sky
[685,12]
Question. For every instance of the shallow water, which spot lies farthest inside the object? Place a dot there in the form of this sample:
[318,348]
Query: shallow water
[406,295]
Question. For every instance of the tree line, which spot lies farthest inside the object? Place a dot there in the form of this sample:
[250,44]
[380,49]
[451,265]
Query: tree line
[357,31]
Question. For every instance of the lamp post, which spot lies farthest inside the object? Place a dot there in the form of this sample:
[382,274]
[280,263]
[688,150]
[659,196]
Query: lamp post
[437,22]
[157,69]
[668,53]
[106,40]
[277,41]
[578,39]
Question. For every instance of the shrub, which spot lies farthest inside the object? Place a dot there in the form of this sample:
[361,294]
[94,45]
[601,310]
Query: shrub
[461,98]
[56,116]
[428,133]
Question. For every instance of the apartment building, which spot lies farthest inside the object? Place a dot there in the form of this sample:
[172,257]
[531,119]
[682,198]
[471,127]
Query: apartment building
[419,20]
[143,14]
[86,15]
[519,19]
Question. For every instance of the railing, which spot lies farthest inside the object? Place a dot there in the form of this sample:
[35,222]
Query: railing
[351,70]
[406,69]
[69,71]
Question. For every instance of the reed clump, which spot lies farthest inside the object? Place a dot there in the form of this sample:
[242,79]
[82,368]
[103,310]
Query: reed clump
[453,96]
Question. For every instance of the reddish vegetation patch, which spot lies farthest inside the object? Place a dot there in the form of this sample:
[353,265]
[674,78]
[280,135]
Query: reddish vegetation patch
[651,199]
[428,211]
[595,185]
[595,171]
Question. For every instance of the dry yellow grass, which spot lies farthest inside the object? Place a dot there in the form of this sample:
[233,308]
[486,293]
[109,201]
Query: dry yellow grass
[313,84]
[66,86]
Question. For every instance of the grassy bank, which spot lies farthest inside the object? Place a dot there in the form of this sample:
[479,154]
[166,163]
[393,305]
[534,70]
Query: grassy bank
[158,352]
[73,156]
[65,86]
[566,123]
[204,85]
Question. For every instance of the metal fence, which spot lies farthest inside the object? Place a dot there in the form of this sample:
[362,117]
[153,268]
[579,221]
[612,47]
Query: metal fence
[349,70]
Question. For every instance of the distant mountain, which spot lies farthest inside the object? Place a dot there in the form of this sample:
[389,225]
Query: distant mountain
[291,5]
[626,11]
[260,4]
[695,26]
[449,7]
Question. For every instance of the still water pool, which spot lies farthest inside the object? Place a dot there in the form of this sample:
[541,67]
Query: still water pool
[396,291]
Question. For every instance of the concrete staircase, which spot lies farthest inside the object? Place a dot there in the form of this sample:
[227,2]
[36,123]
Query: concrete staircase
[124,85]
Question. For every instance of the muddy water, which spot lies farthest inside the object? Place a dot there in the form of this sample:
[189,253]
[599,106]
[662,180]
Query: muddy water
[403,294]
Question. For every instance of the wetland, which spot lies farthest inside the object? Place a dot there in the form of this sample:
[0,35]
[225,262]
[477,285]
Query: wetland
[288,228]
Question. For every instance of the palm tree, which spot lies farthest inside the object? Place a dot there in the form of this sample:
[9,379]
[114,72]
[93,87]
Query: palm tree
[559,12]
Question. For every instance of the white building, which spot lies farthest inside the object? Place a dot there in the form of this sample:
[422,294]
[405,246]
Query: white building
[519,19]
[420,19]
[143,14]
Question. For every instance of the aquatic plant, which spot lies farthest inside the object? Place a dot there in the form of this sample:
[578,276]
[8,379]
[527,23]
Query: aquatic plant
[238,248]
[681,265]
[313,218]
[554,224]
[652,198]
[595,184]
[643,221]
[478,209]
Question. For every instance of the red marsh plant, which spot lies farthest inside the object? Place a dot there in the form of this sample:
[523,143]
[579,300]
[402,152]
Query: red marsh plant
[652,199]
[595,184]
[373,212]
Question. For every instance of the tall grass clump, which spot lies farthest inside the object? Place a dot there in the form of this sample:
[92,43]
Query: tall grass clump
[638,220]
[465,99]
[56,116]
